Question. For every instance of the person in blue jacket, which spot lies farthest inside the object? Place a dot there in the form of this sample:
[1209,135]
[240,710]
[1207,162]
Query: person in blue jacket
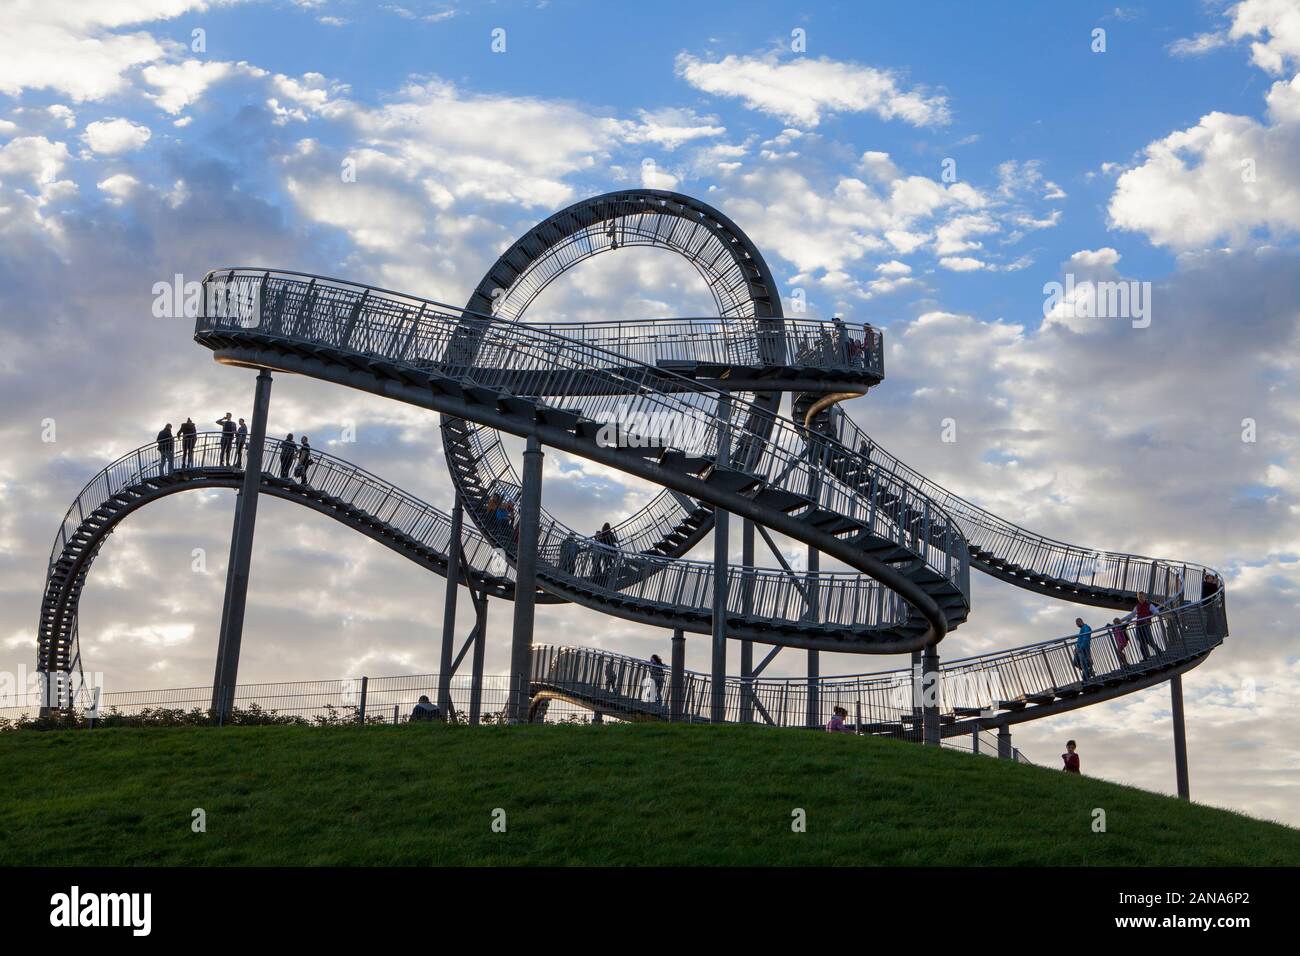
[1083,650]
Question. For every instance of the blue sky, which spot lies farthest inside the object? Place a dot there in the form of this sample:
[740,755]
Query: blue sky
[127,156]
[1019,79]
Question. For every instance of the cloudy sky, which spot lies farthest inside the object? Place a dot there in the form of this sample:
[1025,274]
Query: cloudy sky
[929,168]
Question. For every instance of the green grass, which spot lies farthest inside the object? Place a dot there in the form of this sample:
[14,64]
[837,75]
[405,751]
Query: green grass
[577,795]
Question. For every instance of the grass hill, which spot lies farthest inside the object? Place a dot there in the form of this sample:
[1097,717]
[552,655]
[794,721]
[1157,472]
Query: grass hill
[577,795]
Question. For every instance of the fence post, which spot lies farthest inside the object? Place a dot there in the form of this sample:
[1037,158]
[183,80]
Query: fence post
[394,715]
[361,712]
[857,717]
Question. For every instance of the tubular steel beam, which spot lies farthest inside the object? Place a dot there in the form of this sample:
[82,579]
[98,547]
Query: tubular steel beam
[1004,742]
[476,662]
[814,657]
[1180,737]
[721,568]
[747,605]
[677,682]
[226,674]
[521,647]
[449,608]
[930,678]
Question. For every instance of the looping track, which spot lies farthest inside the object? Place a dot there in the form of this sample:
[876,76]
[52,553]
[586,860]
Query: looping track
[715,383]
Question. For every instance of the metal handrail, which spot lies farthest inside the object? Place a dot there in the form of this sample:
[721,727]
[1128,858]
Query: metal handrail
[682,586]
[887,699]
[489,352]
[1036,553]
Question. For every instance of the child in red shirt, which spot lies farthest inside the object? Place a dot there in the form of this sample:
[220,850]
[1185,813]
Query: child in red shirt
[1071,758]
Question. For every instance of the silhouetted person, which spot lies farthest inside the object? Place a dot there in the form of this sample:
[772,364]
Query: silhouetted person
[288,451]
[1083,650]
[657,675]
[569,554]
[836,724]
[166,450]
[227,438]
[304,461]
[1070,758]
[241,436]
[611,676]
[602,561]
[189,435]
[425,710]
[1209,591]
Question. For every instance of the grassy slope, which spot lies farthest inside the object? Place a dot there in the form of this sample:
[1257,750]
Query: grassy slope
[612,795]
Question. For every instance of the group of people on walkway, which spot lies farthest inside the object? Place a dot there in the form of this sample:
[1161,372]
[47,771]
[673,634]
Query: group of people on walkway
[500,514]
[295,459]
[1136,629]
[604,556]
[231,447]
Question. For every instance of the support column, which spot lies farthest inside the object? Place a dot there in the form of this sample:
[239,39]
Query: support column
[677,680]
[721,542]
[521,647]
[449,608]
[1180,737]
[747,647]
[930,687]
[1004,742]
[476,672]
[226,673]
[913,731]
[975,740]
[814,657]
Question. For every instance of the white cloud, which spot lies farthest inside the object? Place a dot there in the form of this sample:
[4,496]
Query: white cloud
[33,158]
[78,48]
[113,136]
[1226,177]
[671,128]
[961,264]
[119,186]
[803,90]
[180,84]
[1274,29]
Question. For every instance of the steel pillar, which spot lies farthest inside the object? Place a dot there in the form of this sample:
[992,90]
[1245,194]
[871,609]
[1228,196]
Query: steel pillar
[226,674]
[1180,737]
[721,542]
[449,608]
[930,701]
[476,665]
[521,646]
[747,603]
[1004,742]
[814,657]
[677,680]
[918,667]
